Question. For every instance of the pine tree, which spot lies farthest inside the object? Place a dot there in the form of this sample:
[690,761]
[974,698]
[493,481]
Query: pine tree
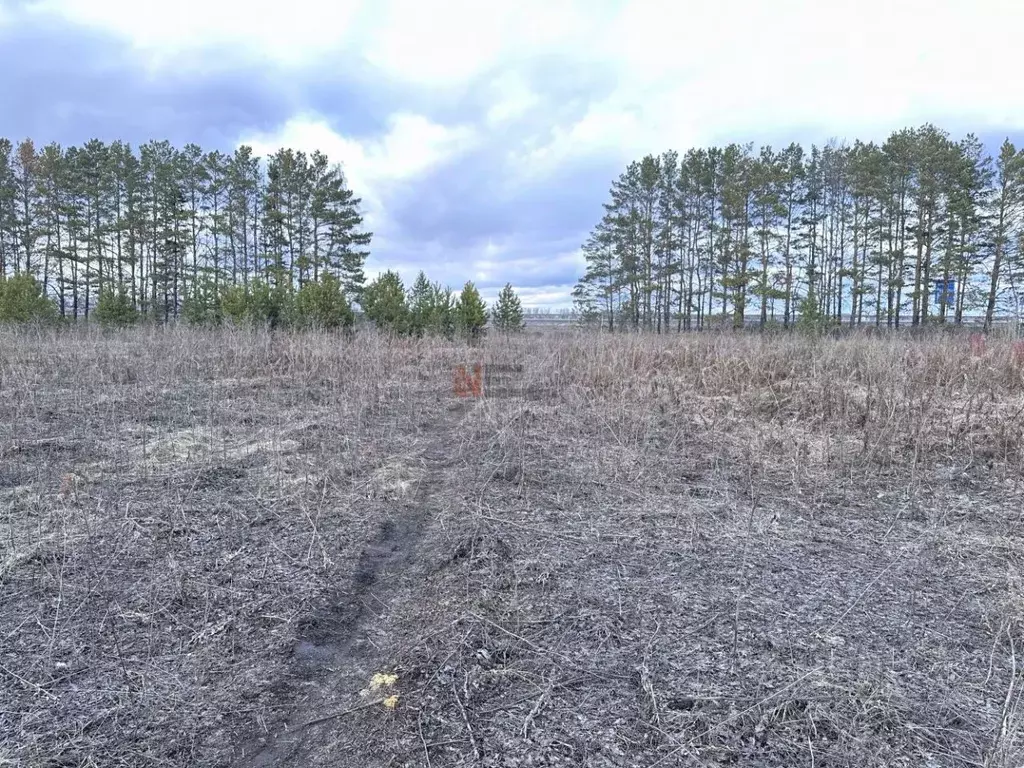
[258,304]
[707,233]
[442,312]
[347,242]
[243,189]
[215,209]
[114,308]
[470,311]
[862,230]
[1009,194]
[22,301]
[508,311]
[8,207]
[126,227]
[203,303]
[193,180]
[321,304]
[421,305]
[95,189]
[25,169]
[384,303]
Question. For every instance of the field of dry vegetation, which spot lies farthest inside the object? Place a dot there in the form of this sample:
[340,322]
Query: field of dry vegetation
[701,550]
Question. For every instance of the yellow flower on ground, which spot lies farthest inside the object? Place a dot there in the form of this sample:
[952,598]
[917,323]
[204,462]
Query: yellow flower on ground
[390,702]
[379,681]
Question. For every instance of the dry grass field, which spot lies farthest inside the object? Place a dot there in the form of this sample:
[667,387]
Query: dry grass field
[255,549]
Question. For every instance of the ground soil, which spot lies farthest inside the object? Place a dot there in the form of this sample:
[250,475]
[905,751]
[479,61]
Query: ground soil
[695,551]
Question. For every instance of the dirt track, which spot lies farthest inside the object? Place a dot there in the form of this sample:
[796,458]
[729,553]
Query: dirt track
[331,647]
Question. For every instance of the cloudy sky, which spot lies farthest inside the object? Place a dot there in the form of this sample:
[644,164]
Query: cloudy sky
[483,134]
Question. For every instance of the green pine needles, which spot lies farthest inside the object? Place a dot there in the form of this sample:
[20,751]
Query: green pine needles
[23,302]
[470,312]
[508,311]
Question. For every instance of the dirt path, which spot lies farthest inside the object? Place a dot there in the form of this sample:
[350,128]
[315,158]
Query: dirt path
[332,652]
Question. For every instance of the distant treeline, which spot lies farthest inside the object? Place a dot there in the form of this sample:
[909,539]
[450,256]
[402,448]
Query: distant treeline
[922,227]
[154,224]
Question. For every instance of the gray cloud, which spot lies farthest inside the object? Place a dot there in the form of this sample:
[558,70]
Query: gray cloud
[483,197]
[75,83]
[469,202]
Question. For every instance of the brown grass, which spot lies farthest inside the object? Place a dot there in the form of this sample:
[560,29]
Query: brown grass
[689,550]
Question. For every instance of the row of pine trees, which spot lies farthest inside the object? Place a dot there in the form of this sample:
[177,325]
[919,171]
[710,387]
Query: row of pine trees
[120,235]
[156,224]
[432,309]
[919,229]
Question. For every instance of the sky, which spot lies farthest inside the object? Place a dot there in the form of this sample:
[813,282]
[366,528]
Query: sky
[483,135]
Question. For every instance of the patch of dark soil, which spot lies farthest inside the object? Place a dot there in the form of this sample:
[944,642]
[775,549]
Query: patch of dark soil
[219,477]
[42,448]
[481,546]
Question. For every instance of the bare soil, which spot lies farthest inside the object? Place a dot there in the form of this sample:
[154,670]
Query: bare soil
[703,550]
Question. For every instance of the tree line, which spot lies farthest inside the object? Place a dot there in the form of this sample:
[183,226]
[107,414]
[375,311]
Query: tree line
[432,309]
[921,229]
[154,225]
[108,232]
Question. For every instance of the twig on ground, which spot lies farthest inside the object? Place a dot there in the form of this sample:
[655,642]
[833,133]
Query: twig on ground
[423,740]
[535,711]
[465,719]
[336,715]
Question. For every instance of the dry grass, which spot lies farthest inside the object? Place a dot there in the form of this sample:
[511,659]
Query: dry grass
[699,551]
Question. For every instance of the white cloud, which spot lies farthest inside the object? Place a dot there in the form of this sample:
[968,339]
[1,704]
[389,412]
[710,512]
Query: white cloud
[543,297]
[374,168]
[447,43]
[498,261]
[427,43]
[494,261]
[430,43]
[686,72]
[693,72]
[512,98]
[412,146]
[606,127]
